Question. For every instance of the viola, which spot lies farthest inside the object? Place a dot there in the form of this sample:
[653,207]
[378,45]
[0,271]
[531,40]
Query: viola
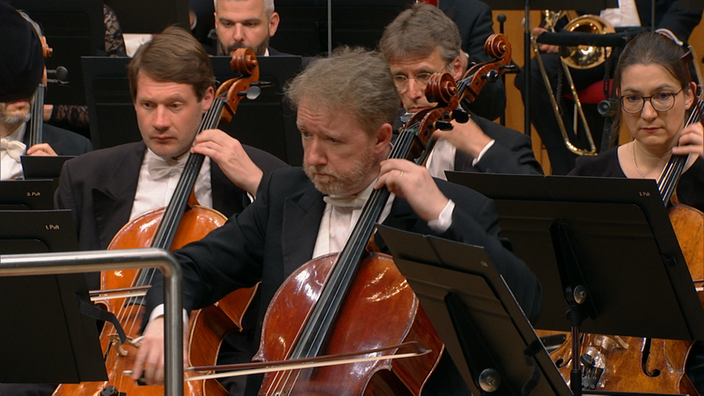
[170,228]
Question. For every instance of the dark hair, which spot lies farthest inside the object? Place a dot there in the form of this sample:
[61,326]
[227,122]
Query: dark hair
[653,48]
[173,55]
[21,58]
[354,79]
[419,30]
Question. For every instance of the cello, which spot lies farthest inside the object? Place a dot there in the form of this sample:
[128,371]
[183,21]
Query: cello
[357,300]
[336,308]
[181,222]
[617,363]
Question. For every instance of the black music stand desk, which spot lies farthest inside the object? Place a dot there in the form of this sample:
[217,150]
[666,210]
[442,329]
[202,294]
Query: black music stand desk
[475,314]
[26,194]
[609,238]
[46,339]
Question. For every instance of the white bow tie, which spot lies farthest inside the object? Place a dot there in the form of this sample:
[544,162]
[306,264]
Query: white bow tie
[14,148]
[349,201]
[159,168]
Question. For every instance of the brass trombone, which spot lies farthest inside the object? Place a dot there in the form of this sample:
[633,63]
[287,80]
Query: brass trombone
[578,57]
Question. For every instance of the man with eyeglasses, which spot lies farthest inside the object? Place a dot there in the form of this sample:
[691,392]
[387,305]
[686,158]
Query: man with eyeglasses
[422,41]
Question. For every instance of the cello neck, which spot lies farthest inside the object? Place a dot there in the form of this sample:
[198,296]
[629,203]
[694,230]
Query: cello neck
[667,182]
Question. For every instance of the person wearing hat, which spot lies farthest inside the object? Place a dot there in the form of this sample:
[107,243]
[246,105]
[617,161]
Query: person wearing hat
[21,71]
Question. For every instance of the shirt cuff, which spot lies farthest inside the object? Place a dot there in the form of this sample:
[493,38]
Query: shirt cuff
[444,221]
[159,311]
[484,150]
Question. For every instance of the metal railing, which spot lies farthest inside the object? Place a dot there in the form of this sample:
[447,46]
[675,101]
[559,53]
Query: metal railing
[78,262]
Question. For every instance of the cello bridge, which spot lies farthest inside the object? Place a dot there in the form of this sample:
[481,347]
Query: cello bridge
[116,343]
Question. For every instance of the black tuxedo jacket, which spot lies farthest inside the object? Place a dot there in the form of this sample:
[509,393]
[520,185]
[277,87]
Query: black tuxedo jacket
[276,234]
[99,188]
[511,153]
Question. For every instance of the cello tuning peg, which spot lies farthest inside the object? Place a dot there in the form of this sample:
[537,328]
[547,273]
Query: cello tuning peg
[512,68]
[443,125]
[492,76]
[263,84]
[460,115]
[251,94]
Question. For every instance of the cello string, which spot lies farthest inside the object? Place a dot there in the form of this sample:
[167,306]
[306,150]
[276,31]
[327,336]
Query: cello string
[667,182]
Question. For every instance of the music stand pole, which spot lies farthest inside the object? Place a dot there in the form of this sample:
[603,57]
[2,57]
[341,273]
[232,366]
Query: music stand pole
[526,69]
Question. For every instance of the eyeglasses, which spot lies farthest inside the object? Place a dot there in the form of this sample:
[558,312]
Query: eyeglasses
[662,101]
[421,79]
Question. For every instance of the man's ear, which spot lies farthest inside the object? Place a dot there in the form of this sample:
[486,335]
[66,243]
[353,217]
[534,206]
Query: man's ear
[207,99]
[383,138]
[457,66]
[273,23]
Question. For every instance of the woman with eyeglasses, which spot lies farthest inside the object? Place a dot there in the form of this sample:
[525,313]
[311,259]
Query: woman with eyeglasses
[655,97]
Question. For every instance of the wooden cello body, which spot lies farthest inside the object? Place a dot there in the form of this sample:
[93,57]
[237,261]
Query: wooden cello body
[204,342]
[170,228]
[380,309]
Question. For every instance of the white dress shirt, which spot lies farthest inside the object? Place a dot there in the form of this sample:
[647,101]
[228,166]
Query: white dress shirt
[9,167]
[442,158]
[155,188]
[339,220]
[625,15]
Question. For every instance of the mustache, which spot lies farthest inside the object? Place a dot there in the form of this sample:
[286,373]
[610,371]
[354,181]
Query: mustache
[235,46]
[313,169]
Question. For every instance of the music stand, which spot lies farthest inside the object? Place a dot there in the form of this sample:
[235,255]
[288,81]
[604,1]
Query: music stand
[73,28]
[474,313]
[43,167]
[308,28]
[48,339]
[26,195]
[267,122]
[597,234]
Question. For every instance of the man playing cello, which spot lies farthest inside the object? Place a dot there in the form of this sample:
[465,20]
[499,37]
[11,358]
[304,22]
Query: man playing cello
[345,119]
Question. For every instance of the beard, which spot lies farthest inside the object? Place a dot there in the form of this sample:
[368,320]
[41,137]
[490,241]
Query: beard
[338,183]
[259,50]
[15,118]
